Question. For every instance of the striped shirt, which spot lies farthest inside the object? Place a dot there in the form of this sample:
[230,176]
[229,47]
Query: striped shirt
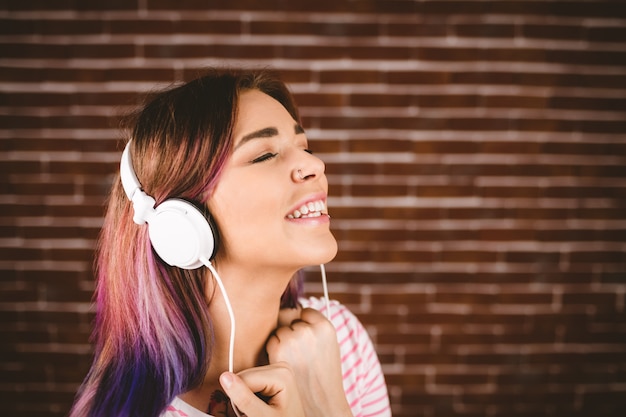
[363,380]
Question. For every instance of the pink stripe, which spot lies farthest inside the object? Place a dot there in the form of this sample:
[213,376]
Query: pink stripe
[386,410]
[376,376]
[354,402]
[350,388]
[376,401]
[337,313]
[380,386]
[349,371]
[351,352]
[348,337]
[175,410]
[372,357]
[339,325]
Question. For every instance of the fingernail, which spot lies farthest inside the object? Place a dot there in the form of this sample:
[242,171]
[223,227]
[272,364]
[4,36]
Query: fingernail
[226,379]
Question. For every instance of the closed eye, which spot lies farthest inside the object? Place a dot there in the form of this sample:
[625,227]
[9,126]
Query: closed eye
[265,157]
[309,151]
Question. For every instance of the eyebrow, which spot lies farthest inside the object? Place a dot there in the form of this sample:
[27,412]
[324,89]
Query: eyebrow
[267,132]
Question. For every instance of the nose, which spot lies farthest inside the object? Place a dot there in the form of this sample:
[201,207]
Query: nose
[307,168]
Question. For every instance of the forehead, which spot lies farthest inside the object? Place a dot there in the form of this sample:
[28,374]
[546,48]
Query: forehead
[256,111]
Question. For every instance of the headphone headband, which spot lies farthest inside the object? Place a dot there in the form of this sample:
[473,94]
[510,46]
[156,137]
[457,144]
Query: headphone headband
[129,180]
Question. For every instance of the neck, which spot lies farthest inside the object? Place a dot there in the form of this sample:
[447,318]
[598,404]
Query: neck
[255,301]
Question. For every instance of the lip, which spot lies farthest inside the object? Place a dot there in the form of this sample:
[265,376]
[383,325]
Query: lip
[308,199]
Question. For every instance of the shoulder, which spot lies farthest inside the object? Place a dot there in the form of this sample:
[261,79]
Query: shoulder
[339,314]
[179,408]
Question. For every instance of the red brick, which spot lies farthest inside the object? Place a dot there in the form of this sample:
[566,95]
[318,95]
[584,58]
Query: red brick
[25,294]
[597,256]
[382,190]
[418,77]
[70,5]
[484,30]
[591,103]
[339,29]
[52,27]
[66,51]
[516,101]
[606,33]
[567,32]
[380,100]
[57,122]
[446,147]
[430,28]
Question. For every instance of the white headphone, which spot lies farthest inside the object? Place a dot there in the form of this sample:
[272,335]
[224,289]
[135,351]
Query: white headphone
[179,232]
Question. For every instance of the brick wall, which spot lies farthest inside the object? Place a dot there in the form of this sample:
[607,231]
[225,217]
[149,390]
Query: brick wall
[476,152]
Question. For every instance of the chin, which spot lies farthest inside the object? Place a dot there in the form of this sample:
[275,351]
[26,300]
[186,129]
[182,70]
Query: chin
[332,252]
[326,252]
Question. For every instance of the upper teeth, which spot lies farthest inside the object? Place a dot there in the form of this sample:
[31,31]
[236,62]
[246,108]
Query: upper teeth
[310,209]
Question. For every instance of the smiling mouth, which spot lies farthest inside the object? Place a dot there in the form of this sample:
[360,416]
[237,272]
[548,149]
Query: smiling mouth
[310,209]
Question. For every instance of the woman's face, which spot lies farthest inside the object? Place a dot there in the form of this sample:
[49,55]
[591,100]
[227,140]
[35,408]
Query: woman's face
[270,202]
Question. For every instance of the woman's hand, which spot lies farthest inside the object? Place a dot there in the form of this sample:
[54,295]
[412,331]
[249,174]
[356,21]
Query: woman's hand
[309,345]
[275,383]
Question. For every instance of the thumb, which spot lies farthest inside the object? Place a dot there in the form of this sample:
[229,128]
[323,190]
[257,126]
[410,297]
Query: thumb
[240,395]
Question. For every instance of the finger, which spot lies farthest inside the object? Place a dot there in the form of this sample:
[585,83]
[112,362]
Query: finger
[312,316]
[241,395]
[269,380]
[318,321]
[285,332]
[282,332]
[287,315]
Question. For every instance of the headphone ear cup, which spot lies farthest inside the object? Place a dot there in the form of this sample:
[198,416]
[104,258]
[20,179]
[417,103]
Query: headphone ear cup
[181,235]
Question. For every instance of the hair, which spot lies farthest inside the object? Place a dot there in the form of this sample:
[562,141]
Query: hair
[153,336]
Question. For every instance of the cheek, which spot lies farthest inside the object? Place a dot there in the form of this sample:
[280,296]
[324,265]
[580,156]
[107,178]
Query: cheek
[227,199]
[246,216]
[229,216]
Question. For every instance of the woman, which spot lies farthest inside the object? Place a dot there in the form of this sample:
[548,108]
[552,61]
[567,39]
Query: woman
[231,143]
